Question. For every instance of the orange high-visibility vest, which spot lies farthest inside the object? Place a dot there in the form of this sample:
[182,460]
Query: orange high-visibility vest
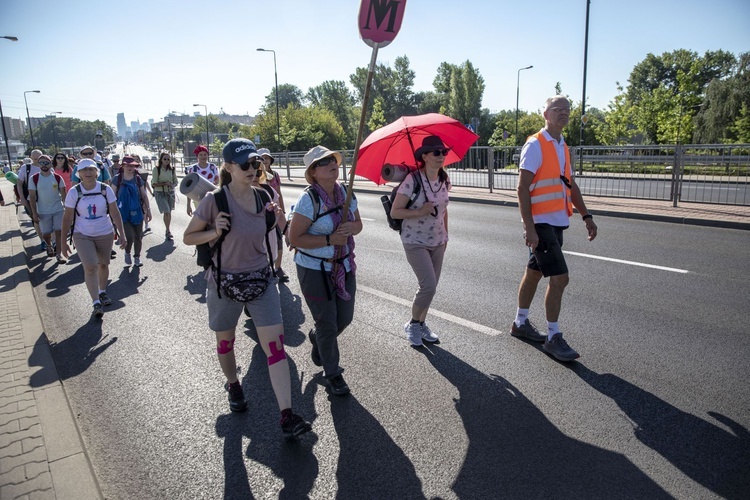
[548,191]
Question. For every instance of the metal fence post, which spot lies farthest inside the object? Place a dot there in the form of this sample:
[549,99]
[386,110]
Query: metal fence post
[288,170]
[676,174]
[491,167]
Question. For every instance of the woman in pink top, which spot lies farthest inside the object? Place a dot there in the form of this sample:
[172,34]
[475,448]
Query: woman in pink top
[63,169]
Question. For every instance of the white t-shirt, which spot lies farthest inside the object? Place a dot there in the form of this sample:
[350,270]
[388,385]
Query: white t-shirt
[428,230]
[209,173]
[531,160]
[22,174]
[91,214]
[48,193]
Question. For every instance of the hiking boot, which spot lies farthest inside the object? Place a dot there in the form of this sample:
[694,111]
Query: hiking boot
[294,425]
[43,246]
[104,299]
[138,262]
[559,349]
[128,259]
[112,254]
[414,334]
[147,230]
[428,336]
[315,353]
[527,331]
[236,396]
[98,311]
[338,385]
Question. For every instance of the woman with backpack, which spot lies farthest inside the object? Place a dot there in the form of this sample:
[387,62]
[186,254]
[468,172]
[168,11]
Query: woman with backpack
[240,274]
[203,168]
[273,179]
[324,239]
[163,182]
[424,231]
[133,205]
[91,209]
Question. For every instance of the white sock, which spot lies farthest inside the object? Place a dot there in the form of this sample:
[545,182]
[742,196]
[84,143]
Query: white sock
[102,291]
[552,329]
[521,316]
[97,302]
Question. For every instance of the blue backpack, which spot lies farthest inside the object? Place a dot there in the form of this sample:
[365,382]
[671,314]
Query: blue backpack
[129,199]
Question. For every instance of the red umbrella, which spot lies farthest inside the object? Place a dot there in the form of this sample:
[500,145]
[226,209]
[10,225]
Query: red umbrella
[396,142]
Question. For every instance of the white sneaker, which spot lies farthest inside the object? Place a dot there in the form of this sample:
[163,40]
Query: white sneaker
[413,334]
[428,336]
[128,259]
[138,262]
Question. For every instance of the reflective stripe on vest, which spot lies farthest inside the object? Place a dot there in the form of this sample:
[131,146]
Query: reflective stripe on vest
[548,192]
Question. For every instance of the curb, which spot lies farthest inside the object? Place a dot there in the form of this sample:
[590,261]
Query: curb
[69,465]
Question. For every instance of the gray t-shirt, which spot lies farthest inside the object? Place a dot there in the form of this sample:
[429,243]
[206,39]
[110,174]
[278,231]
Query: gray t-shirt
[49,190]
[244,247]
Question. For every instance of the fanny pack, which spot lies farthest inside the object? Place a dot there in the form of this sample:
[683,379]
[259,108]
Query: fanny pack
[243,287]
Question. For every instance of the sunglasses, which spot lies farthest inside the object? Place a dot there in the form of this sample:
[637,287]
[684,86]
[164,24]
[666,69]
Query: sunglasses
[59,158]
[254,163]
[326,161]
[88,154]
[166,158]
[440,152]
[45,163]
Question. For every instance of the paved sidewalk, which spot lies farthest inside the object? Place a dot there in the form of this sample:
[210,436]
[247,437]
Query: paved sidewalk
[41,451]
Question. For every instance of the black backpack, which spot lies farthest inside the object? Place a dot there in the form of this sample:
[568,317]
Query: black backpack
[27,179]
[205,252]
[395,224]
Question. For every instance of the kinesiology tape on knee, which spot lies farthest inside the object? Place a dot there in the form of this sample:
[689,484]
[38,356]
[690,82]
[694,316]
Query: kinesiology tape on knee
[277,354]
[225,346]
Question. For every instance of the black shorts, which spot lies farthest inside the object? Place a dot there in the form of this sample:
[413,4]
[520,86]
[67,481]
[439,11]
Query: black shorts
[548,256]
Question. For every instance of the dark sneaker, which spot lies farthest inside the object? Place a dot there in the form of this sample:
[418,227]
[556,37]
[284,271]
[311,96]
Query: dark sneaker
[283,277]
[414,334]
[294,425]
[98,311]
[113,254]
[147,230]
[128,259]
[236,396]
[338,385]
[559,349]
[315,353]
[527,331]
[247,312]
[104,299]
[428,336]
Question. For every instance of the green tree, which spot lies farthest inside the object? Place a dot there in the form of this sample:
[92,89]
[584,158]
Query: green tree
[377,117]
[336,97]
[69,132]
[741,126]
[301,129]
[723,103]
[288,94]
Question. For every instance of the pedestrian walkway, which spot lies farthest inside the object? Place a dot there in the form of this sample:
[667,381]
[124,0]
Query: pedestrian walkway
[41,451]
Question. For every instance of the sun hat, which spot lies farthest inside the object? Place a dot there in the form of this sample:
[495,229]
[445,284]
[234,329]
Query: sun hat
[266,152]
[87,163]
[316,154]
[429,143]
[87,147]
[239,151]
[129,160]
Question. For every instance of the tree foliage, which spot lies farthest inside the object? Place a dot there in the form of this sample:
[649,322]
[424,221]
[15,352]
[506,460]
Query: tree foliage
[68,132]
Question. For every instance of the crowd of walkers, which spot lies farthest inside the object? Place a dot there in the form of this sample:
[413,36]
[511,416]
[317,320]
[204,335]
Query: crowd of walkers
[243,224]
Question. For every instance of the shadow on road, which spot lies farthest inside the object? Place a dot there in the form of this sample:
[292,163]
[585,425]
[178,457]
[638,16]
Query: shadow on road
[516,452]
[196,285]
[294,316]
[75,354]
[715,457]
[290,460]
[158,253]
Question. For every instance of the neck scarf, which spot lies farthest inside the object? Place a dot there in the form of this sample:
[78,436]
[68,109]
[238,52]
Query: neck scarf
[338,272]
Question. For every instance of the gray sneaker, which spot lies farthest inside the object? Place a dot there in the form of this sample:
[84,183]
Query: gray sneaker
[559,349]
[428,336]
[527,331]
[414,334]
[128,259]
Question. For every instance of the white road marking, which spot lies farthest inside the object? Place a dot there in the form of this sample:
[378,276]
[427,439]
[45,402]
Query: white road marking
[368,220]
[448,317]
[640,264]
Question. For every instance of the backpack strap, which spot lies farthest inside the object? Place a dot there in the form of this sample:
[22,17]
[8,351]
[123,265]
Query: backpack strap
[222,204]
[35,178]
[315,198]
[262,198]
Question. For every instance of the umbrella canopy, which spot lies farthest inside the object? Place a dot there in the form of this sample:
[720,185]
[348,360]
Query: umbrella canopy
[396,142]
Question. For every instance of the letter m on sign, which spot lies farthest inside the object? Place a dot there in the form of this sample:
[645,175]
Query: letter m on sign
[380,20]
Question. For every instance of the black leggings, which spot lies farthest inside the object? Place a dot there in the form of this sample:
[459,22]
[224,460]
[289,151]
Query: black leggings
[134,234]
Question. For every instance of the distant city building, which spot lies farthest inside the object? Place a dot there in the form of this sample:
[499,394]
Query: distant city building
[122,127]
[15,127]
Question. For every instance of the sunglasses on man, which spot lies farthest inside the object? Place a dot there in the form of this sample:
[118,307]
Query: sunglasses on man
[88,153]
[45,163]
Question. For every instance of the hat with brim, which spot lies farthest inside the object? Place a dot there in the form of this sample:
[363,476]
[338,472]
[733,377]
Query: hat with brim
[44,157]
[129,161]
[315,155]
[429,144]
[87,147]
[87,163]
[266,152]
[239,151]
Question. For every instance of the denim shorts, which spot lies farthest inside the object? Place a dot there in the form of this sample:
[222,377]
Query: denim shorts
[548,256]
[49,223]
[223,312]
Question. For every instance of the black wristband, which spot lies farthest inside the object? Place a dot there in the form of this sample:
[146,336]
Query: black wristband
[587,216]
[328,240]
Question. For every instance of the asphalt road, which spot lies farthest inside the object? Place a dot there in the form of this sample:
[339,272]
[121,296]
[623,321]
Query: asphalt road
[657,406]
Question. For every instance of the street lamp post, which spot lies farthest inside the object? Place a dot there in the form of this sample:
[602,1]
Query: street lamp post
[53,115]
[518,92]
[169,126]
[208,137]
[28,117]
[11,38]
[276,85]
[5,136]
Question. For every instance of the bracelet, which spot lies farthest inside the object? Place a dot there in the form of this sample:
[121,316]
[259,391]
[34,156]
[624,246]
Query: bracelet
[328,240]
[587,216]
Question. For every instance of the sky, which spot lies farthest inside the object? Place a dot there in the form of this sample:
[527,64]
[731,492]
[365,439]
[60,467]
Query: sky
[92,60]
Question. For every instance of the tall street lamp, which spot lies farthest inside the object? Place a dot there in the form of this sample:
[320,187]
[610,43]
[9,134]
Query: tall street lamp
[208,137]
[11,38]
[518,92]
[53,115]
[28,117]
[276,80]
[5,135]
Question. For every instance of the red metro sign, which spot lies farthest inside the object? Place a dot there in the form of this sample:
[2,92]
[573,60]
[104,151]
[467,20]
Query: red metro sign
[380,21]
